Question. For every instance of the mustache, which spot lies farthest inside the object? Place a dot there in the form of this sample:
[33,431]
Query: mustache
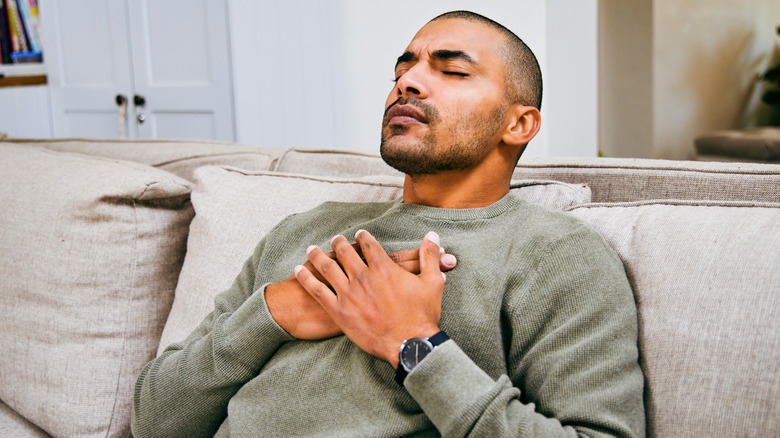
[429,111]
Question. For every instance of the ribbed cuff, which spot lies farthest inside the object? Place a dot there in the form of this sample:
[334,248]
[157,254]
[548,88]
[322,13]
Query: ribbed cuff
[450,387]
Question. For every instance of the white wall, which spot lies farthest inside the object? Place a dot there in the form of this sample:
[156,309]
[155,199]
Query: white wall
[707,55]
[626,78]
[672,70]
[315,73]
[571,76]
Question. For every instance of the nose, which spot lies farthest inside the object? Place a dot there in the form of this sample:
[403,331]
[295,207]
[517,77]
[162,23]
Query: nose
[412,83]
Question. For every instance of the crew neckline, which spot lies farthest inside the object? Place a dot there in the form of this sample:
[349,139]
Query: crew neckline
[508,202]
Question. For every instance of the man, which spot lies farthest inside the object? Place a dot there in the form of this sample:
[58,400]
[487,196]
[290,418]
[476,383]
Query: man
[533,334]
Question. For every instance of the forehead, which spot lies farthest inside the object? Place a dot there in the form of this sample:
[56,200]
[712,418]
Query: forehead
[477,39]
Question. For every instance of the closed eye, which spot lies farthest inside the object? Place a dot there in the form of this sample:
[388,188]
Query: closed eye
[455,73]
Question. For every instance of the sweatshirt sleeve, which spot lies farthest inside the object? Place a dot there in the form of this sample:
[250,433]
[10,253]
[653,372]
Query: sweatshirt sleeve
[571,353]
[185,391]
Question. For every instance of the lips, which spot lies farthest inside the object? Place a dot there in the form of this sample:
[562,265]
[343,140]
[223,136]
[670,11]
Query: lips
[404,114]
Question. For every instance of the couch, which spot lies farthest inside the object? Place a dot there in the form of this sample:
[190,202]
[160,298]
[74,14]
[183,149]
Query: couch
[113,249]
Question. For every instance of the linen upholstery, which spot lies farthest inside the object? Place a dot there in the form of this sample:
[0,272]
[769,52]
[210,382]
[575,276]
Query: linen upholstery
[626,179]
[610,179]
[14,425]
[180,157]
[234,209]
[707,285]
[323,162]
[91,249]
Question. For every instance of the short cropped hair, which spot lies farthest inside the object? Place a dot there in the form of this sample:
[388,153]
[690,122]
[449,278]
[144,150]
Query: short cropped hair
[524,77]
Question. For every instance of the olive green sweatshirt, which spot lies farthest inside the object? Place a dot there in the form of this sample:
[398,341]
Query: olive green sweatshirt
[541,317]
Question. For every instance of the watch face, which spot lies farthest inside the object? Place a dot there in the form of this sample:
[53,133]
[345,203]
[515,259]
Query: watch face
[414,351]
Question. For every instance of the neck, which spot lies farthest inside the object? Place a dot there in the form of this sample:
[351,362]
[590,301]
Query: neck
[476,187]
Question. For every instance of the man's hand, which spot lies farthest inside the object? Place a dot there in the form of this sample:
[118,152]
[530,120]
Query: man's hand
[302,317]
[377,303]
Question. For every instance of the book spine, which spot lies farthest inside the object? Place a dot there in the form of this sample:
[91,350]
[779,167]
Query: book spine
[18,40]
[5,35]
[30,23]
[36,22]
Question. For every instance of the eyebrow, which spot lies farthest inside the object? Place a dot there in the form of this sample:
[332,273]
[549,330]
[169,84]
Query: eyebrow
[442,54]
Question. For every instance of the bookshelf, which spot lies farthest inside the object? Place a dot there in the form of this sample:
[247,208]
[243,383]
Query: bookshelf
[19,32]
[16,75]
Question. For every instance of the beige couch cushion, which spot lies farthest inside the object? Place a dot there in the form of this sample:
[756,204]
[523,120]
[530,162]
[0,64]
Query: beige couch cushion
[14,425]
[91,250]
[707,281]
[628,179]
[333,163]
[610,179]
[180,157]
[235,209]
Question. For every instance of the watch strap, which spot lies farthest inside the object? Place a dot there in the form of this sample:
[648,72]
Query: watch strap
[435,340]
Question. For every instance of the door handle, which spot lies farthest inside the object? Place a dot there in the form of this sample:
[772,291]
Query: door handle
[141,119]
[139,100]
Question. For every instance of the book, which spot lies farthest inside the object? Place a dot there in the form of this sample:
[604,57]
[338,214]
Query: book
[16,28]
[5,39]
[28,11]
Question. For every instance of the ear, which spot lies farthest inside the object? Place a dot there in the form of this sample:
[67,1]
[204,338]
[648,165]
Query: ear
[524,123]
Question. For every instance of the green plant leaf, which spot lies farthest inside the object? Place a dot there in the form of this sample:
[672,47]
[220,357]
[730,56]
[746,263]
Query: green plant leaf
[772,75]
[772,98]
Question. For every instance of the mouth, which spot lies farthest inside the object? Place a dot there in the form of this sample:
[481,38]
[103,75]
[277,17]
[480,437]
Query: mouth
[404,115]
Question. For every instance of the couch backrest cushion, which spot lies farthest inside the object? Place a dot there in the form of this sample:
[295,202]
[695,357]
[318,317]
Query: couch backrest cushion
[628,179]
[91,249]
[235,209]
[707,282]
[180,157]
[344,164]
[610,179]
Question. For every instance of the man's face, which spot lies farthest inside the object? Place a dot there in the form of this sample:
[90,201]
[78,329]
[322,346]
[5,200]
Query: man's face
[448,107]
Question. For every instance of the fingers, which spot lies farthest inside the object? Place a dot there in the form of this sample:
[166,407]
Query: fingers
[372,250]
[319,291]
[329,270]
[351,258]
[410,260]
[430,255]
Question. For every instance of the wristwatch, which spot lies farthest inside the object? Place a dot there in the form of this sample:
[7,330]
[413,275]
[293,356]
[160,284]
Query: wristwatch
[413,351]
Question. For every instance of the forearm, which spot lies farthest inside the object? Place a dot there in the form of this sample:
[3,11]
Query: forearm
[462,400]
[185,391]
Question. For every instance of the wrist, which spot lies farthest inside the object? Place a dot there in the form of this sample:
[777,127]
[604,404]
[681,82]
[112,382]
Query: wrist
[414,351]
[391,356]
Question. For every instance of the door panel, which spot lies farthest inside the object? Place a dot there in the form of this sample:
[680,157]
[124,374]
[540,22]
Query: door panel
[88,64]
[92,124]
[177,49]
[183,125]
[181,66]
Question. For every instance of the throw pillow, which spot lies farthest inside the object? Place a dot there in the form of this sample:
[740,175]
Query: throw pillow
[706,278]
[91,250]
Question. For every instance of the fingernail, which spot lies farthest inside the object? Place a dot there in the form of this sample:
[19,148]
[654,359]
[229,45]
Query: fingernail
[334,238]
[441,250]
[433,237]
[357,233]
[298,269]
[444,276]
[310,249]
[448,260]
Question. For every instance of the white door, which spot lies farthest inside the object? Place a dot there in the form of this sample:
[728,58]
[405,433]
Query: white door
[87,59]
[169,60]
[181,66]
